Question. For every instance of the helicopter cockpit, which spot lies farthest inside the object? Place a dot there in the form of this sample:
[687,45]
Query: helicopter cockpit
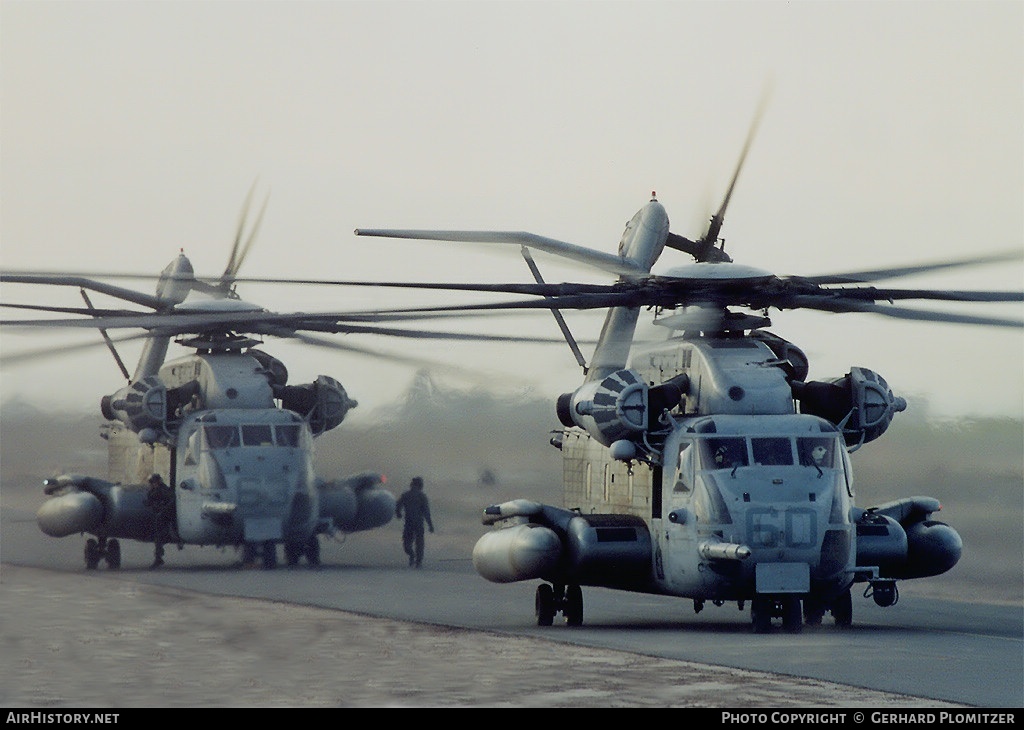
[728,452]
[246,475]
[773,457]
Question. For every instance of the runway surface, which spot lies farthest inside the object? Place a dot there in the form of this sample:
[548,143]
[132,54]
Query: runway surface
[937,651]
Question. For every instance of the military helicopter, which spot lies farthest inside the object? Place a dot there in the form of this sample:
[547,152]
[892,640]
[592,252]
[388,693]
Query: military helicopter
[221,424]
[706,465]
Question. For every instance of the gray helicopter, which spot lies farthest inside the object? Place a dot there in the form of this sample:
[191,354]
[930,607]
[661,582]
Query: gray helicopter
[221,425]
[706,465]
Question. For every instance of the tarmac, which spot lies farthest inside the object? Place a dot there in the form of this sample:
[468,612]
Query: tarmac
[76,641]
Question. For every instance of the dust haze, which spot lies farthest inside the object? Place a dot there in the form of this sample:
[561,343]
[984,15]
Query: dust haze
[475,447]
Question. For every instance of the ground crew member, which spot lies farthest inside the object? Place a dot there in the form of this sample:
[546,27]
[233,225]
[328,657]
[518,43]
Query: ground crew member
[160,499]
[415,507]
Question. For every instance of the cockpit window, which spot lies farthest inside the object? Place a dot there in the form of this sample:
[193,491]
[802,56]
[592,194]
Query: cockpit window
[684,469]
[287,435]
[724,453]
[258,435]
[819,452]
[773,451]
[221,437]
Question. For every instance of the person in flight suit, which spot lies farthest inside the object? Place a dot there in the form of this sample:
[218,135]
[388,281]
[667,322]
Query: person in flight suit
[415,508]
[160,499]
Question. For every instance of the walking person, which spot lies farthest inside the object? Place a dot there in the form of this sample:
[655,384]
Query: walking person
[414,506]
[160,499]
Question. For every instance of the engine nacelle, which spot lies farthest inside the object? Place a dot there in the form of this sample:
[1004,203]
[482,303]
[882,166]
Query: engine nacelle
[356,503]
[610,410]
[140,405]
[860,403]
[323,403]
[274,369]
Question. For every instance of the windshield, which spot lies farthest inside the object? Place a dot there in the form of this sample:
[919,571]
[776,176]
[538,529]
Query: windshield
[262,434]
[817,451]
[724,453]
[728,452]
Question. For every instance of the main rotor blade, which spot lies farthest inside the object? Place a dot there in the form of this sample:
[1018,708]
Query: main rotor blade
[868,275]
[339,328]
[852,305]
[27,356]
[718,218]
[128,295]
[415,361]
[943,295]
[275,323]
[599,259]
[240,250]
[72,310]
[542,290]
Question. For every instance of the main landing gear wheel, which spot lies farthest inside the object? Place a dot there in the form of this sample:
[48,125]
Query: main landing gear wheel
[573,606]
[551,600]
[113,554]
[92,554]
[294,551]
[544,605]
[102,549]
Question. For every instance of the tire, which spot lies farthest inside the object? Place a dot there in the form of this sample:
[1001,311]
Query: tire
[842,610]
[814,611]
[313,551]
[761,615]
[792,619]
[544,605]
[113,554]
[269,555]
[573,606]
[92,554]
[292,553]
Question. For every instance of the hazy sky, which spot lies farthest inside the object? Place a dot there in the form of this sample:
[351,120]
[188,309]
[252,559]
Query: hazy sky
[893,135]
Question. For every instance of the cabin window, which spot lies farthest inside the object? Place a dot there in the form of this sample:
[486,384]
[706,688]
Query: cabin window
[724,453]
[221,437]
[775,451]
[257,435]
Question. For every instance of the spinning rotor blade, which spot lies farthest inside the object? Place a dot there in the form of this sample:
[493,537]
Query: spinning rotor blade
[240,250]
[857,277]
[705,249]
[271,323]
[945,295]
[419,362]
[72,310]
[719,218]
[17,358]
[852,305]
